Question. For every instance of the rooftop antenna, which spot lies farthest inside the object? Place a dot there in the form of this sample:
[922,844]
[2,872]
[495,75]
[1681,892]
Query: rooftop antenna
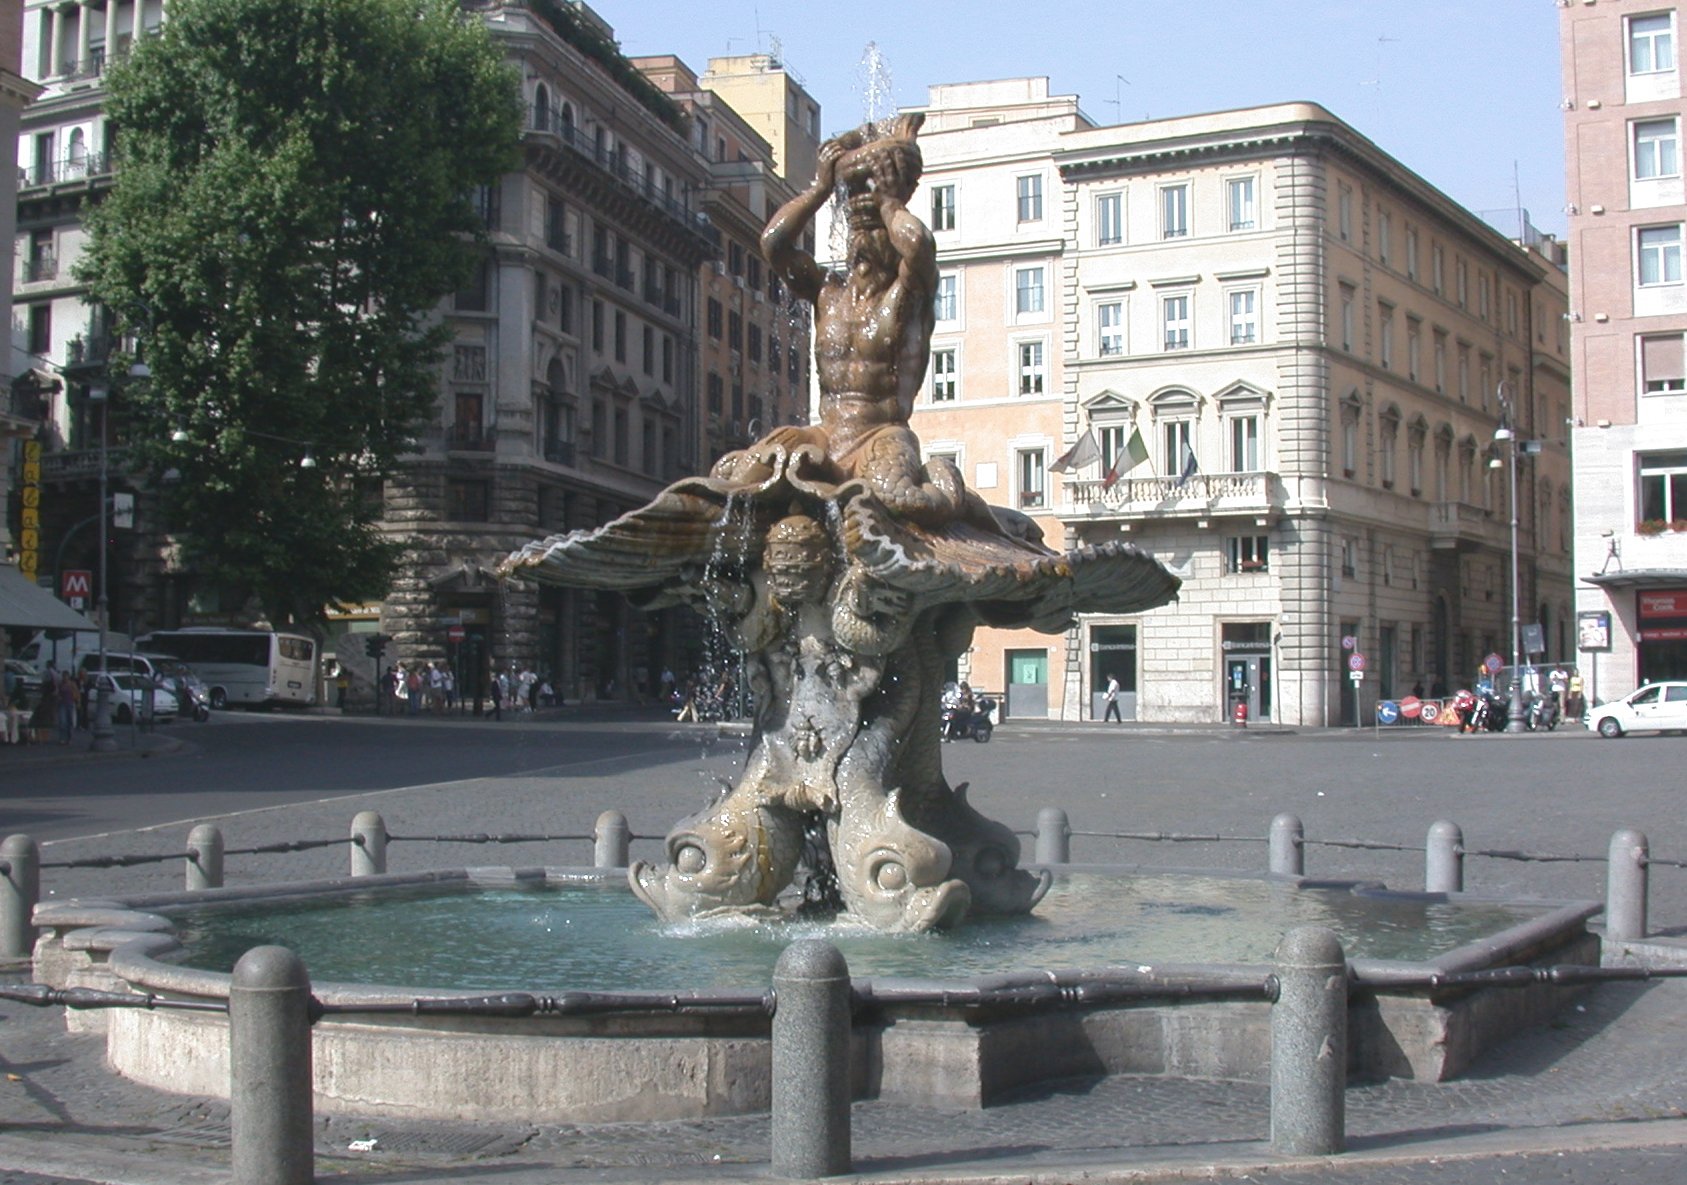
[1382,40]
[1517,200]
[1118,98]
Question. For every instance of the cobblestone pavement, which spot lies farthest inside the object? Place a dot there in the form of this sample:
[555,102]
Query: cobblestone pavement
[1598,1095]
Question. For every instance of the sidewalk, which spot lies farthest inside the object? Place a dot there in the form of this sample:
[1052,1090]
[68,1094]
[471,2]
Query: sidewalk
[1591,1098]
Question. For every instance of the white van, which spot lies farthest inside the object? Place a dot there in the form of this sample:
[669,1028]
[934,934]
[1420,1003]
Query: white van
[65,648]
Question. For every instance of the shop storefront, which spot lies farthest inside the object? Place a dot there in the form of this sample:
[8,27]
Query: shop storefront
[1662,636]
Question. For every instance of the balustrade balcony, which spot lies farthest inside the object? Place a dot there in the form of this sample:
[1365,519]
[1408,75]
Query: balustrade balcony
[1202,493]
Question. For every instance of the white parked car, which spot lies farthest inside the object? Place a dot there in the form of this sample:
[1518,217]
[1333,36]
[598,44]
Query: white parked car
[1656,707]
[128,692]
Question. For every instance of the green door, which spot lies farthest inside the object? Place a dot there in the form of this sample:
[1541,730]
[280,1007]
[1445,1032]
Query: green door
[1028,684]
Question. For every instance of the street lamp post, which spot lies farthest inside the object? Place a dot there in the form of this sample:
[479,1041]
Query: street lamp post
[104,740]
[1514,708]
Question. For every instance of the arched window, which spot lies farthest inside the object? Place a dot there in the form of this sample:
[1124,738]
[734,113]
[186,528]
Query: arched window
[541,108]
[76,154]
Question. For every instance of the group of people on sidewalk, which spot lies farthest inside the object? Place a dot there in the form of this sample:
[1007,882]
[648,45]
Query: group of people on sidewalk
[59,707]
[418,686]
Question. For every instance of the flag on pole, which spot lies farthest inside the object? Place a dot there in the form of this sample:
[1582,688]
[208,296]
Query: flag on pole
[1190,468]
[1133,454]
[1085,452]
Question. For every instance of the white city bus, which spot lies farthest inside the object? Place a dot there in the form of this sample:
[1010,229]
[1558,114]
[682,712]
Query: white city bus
[259,668]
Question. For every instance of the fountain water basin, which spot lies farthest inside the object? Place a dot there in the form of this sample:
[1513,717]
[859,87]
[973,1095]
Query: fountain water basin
[664,1064]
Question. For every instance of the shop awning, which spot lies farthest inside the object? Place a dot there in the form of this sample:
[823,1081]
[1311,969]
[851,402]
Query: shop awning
[1640,578]
[25,605]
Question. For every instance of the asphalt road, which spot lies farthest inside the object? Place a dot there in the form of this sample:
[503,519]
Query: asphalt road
[265,778]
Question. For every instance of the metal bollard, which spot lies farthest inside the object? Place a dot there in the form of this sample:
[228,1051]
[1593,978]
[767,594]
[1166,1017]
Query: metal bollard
[19,891]
[612,839]
[1309,1045]
[811,1027]
[1287,852]
[1626,886]
[1054,836]
[1443,859]
[205,857]
[368,844]
[270,1069]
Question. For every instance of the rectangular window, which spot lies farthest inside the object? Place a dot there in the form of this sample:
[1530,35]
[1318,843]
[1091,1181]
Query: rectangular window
[649,350]
[1385,237]
[1411,253]
[1651,43]
[1110,327]
[1440,362]
[1109,219]
[467,501]
[1028,290]
[1244,444]
[1661,364]
[1657,148]
[1174,316]
[947,299]
[1030,198]
[1385,336]
[1247,553]
[735,330]
[1461,279]
[1175,436]
[1663,486]
[753,342]
[1031,368]
[620,336]
[1464,373]
[1437,269]
[1239,202]
[1244,317]
[1032,479]
[943,377]
[1344,214]
[597,326]
[1174,211]
[1660,254]
[1347,318]
[942,207]
[1414,334]
[716,315]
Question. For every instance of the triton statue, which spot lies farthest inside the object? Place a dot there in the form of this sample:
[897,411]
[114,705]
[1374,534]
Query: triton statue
[848,572]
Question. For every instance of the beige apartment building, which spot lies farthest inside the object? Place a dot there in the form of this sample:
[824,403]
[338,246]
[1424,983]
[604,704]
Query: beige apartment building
[1315,349]
[754,340]
[1628,310]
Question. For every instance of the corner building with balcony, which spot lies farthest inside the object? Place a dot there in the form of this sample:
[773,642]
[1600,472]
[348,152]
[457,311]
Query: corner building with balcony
[1628,312]
[1312,346]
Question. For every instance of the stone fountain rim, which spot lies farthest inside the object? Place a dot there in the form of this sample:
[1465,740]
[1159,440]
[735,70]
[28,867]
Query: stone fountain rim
[138,940]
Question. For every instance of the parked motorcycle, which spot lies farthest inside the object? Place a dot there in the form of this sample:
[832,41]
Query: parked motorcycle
[965,716]
[1543,713]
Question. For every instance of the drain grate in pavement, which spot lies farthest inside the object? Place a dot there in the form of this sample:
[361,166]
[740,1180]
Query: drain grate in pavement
[210,1134]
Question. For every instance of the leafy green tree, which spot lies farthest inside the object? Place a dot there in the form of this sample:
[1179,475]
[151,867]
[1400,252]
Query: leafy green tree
[292,200]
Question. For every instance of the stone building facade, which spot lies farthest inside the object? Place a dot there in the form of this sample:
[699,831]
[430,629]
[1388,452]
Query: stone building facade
[1628,315]
[1314,348]
[572,390]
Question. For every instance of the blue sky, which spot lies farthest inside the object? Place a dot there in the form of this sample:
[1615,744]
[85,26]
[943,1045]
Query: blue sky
[1463,92]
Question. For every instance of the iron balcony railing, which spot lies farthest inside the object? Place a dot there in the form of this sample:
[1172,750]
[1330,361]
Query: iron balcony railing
[471,438]
[68,169]
[550,122]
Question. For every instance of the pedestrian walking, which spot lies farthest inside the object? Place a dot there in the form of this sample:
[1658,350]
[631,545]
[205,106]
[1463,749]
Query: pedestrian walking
[448,682]
[69,694]
[1111,698]
[413,685]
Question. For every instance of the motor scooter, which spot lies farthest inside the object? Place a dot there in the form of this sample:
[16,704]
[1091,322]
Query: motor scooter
[961,721]
[1543,713]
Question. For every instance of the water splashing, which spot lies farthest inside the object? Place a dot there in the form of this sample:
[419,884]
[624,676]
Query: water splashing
[878,106]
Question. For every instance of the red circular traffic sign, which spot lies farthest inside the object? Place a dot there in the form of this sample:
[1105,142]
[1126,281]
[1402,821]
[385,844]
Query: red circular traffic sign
[455,634]
[1410,706]
[1430,710]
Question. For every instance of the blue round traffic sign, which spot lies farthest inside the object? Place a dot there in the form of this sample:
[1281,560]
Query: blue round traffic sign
[1388,712]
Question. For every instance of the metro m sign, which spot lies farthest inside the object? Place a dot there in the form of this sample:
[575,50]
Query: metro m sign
[76,585]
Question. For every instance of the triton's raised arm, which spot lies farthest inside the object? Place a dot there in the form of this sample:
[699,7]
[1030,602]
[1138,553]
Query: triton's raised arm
[781,242]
